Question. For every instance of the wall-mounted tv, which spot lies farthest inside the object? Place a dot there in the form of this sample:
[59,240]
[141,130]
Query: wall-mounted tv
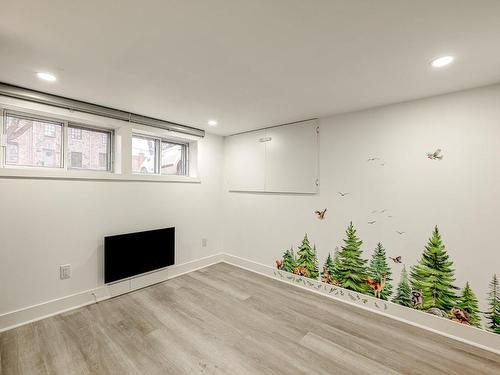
[131,254]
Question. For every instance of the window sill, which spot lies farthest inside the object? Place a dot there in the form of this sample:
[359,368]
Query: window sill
[54,174]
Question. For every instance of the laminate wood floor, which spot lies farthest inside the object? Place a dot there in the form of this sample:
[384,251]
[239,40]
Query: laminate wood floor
[225,320]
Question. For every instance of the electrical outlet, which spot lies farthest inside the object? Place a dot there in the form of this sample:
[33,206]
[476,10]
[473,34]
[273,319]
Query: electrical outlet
[65,271]
[204,242]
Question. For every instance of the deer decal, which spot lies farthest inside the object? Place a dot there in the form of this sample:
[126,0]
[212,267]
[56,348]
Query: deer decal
[376,286]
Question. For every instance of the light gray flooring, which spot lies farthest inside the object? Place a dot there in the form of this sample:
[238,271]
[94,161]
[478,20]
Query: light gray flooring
[224,320]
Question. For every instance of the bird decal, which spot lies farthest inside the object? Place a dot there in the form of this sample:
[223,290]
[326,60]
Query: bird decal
[320,214]
[373,159]
[343,194]
[396,259]
[372,222]
[400,233]
[436,155]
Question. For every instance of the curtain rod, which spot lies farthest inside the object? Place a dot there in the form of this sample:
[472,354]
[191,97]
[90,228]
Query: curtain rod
[94,109]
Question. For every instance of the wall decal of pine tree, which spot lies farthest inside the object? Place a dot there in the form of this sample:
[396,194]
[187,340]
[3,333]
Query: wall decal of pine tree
[330,268]
[352,272]
[493,315]
[327,275]
[288,260]
[434,275]
[306,257]
[468,302]
[378,267]
[336,264]
[327,270]
[403,291]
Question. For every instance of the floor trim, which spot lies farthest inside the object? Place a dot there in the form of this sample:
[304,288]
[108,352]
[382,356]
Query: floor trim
[470,335]
[56,306]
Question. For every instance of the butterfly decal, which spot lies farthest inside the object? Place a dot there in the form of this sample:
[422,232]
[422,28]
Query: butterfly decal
[396,259]
[320,214]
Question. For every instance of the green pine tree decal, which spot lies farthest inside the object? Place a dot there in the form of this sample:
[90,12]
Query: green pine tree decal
[288,260]
[493,314]
[378,267]
[434,275]
[307,258]
[330,268]
[469,303]
[352,272]
[336,265]
[403,291]
[329,264]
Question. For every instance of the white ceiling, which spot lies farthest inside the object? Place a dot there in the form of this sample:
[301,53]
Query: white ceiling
[248,63]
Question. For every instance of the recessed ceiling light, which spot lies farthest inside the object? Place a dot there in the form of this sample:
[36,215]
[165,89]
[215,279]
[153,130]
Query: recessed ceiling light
[46,76]
[442,61]
[212,123]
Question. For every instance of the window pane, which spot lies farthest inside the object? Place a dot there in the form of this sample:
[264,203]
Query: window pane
[85,147]
[173,159]
[144,155]
[33,142]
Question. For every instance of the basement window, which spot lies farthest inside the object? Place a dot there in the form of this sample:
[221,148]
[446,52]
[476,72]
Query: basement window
[89,148]
[33,141]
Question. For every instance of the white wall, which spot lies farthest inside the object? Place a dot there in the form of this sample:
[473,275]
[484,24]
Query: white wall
[46,223]
[459,193]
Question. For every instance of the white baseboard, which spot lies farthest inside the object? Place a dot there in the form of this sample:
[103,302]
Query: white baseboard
[467,334]
[43,310]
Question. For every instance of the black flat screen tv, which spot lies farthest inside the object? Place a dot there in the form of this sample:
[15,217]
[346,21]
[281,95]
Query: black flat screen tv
[131,254]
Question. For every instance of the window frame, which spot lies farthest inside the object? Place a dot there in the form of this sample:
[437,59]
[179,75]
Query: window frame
[33,117]
[83,127]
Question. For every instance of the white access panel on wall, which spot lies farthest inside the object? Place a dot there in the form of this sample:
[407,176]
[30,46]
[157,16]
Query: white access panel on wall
[245,161]
[282,159]
[292,158]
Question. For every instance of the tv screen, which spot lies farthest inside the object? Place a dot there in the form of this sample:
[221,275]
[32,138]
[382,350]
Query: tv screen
[131,254]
